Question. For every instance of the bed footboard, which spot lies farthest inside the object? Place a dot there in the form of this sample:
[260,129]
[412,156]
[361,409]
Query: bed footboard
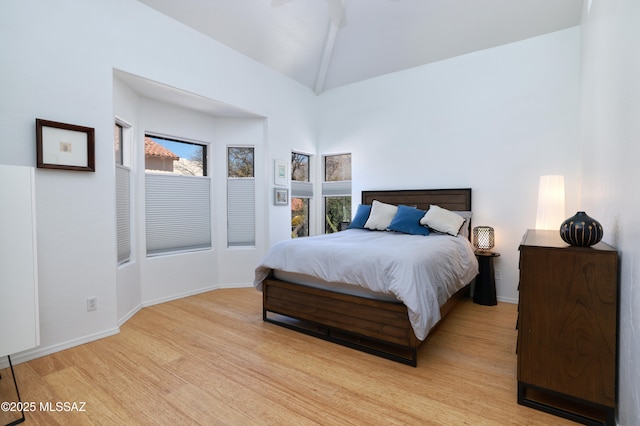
[377,327]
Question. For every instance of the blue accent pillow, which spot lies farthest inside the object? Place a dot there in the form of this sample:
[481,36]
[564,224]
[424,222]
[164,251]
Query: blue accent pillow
[407,221]
[362,214]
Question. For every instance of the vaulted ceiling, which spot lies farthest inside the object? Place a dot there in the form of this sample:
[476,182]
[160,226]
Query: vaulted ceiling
[325,44]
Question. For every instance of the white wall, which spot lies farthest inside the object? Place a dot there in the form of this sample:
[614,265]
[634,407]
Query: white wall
[166,277]
[145,281]
[610,132]
[493,121]
[233,270]
[58,61]
[126,106]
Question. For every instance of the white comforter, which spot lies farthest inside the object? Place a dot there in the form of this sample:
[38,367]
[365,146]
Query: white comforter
[420,271]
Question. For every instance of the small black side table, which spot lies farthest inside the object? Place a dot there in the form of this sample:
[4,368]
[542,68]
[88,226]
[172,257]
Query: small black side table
[485,290]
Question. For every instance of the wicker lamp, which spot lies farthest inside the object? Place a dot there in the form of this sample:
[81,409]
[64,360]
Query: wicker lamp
[483,238]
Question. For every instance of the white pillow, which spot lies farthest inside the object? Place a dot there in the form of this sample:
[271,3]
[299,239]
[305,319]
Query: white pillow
[464,230]
[442,220]
[381,216]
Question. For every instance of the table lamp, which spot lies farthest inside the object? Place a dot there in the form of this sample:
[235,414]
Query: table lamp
[483,238]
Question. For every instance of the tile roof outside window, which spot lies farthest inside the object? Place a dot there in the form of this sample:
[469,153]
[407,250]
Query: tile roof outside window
[154,149]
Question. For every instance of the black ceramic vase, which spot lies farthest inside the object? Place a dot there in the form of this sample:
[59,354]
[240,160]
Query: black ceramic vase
[581,230]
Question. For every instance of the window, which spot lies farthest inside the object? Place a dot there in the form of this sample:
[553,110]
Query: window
[241,203]
[118,139]
[336,190]
[123,194]
[167,155]
[240,162]
[177,195]
[301,194]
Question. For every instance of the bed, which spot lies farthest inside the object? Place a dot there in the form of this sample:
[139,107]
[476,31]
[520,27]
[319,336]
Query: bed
[372,310]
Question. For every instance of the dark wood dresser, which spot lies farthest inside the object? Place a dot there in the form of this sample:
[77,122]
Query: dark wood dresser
[568,328]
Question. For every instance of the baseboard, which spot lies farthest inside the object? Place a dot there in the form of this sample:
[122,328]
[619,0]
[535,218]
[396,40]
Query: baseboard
[240,285]
[129,314]
[48,350]
[192,293]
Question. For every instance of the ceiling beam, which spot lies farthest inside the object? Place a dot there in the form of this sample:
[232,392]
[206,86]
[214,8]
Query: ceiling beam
[325,61]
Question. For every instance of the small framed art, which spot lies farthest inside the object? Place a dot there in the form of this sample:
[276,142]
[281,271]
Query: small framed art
[280,172]
[65,146]
[280,197]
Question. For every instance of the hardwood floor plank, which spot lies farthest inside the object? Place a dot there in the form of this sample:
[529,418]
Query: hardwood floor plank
[210,359]
[73,387]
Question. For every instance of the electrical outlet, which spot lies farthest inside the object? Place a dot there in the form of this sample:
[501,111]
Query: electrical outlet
[498,274]
[92,304]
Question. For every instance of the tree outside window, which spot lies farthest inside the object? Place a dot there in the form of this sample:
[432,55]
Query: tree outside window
[301,192]
[337,168]
[299,217]
[299,167]
[337,192]
[337,214]
[240,162]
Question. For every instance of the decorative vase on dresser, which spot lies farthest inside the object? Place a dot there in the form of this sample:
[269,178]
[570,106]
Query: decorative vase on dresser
[568,328]
[581,230]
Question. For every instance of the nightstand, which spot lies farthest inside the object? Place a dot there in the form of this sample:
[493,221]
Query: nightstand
[484,292]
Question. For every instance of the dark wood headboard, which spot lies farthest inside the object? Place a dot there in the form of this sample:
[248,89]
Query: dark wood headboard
[450,199]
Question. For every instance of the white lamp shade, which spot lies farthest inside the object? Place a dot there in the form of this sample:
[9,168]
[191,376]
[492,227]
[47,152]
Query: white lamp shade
[551,212]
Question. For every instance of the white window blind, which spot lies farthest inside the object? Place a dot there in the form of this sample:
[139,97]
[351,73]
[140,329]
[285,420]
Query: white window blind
[123,213]
[301,189]
[241,212]
[177,213]
[336,188]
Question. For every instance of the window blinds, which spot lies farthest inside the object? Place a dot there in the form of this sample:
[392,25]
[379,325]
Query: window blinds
[177,213]
[301,189]
[123,213]
[340,188]
[241,212]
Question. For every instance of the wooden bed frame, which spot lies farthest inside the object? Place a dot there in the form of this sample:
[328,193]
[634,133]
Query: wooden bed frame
[378,327]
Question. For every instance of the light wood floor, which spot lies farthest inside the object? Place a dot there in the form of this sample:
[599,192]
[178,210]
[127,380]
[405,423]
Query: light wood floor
[209,359]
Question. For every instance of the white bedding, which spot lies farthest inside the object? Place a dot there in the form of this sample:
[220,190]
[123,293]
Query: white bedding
[421,271]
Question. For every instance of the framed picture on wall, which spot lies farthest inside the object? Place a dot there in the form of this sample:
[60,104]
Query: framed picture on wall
[280,173]
[65,146]
[280,197]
